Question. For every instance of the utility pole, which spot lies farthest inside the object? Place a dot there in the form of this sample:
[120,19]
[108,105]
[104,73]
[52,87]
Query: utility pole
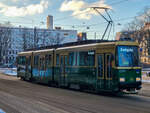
[34,37]
[95,35]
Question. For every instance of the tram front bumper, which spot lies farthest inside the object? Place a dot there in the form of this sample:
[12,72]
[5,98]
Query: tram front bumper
[128,86]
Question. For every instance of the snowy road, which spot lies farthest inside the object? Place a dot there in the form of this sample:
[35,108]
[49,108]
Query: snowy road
[17,96]
[9,71]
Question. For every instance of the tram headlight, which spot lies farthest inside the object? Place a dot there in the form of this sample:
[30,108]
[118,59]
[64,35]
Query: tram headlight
[122,79]
[138,79]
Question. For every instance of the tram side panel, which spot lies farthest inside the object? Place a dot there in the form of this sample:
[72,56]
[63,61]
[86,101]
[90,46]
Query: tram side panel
[21,67]
[28,70]
[42,66]
[56,69]
[75,68]
[24,68]
[59,69]
[49,75]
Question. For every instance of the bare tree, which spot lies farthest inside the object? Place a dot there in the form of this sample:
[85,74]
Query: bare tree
[5,41]
[140,27]
[24,38]
[138,24]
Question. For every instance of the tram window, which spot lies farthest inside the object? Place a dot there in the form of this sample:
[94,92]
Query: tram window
[86,58]
[36,59]
[83,59]
[109,75]
[48,59]
[66,60]
[23,60]
[100,66]
[78,58]
[72,59]
[91,59]
[57,59]
[29,60]
[127,56]
[42,63]
[19,60]
[61,61]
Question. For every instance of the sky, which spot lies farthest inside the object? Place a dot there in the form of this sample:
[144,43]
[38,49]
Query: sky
[72,14]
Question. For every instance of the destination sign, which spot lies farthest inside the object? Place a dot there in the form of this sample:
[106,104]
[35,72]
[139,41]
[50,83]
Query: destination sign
[126,50]
[91,53]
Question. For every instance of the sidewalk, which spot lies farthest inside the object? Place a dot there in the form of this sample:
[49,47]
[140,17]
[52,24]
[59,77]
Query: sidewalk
[145,91]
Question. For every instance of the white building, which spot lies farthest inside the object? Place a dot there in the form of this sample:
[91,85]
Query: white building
[14,40]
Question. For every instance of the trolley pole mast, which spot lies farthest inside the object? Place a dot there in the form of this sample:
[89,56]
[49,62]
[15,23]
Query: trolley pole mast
[108,20]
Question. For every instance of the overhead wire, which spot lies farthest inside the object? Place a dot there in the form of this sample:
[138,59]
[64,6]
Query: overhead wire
[67,17]
[118,2]
[113,3]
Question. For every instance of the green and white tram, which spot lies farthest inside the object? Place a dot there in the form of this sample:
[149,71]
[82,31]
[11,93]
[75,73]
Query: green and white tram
[107,66]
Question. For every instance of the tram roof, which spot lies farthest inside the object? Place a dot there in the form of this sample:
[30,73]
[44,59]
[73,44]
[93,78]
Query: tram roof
[44,50]
[25,52]
[102,44]
[83,44]
[71,44]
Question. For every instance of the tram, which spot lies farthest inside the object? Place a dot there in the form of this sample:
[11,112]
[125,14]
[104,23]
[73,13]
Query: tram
[111,66]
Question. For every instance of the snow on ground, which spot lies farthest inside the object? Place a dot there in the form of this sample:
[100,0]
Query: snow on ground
[9,71]
[1,111]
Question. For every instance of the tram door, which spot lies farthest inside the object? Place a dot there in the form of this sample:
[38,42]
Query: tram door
[28,67]
[42,68]
[108,71]
[63,64]
[100,71]
[104,71]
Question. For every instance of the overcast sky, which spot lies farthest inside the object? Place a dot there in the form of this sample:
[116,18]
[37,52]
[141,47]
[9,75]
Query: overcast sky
[71,14]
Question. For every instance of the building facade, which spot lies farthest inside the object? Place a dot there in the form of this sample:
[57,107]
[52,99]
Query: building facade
[14,40]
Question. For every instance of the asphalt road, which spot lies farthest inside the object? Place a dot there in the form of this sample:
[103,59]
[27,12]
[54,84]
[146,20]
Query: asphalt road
[18,96]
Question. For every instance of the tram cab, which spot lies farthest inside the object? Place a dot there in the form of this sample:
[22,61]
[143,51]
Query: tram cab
[128,66]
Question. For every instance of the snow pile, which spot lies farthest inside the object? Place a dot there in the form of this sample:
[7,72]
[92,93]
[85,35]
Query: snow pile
[1,111]
[9,71]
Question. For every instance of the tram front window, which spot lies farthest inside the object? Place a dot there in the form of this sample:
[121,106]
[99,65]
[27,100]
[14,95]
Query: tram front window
[127,56]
